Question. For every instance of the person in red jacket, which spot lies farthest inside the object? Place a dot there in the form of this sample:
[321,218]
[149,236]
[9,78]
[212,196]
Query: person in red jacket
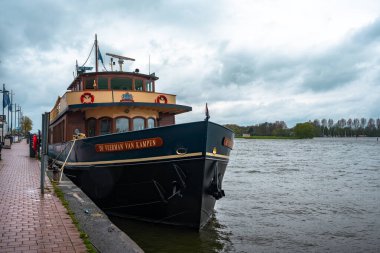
[35,142]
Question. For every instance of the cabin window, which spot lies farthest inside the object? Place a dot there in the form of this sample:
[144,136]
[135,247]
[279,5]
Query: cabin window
[139,84]
[91,127]
[122,125]
[138,124]
[103,83]
[150,123]
[90,83]
[149,85]
[121,83]
[105,126]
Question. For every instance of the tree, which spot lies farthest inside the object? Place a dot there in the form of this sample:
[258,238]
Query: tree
[341,124]
[356,125]
[331,124]
[349,122]
[371,123]
[304,130]
[349,125]
[317,127]
[26,124]
[363,121]
[324,126]
[371,127]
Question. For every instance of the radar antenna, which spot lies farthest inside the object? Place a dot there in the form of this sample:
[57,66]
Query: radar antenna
[120,60]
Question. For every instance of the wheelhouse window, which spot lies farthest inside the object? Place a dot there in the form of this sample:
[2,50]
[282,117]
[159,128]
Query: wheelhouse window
[105,126]
[103,83]
[150,123]
[121,83]
[138,124]
[91,127]
[122,125]
[90,83]
[149,85]
[139,85]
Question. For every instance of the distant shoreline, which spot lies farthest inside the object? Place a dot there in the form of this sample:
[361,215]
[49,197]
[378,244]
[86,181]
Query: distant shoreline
[269,137]
[296,138]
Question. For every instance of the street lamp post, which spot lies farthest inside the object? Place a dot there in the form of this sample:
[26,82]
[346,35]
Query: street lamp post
[18,110]
[11,109]
[15,117]
[3,121]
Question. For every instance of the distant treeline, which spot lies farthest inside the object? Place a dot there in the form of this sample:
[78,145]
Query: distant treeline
[317,128]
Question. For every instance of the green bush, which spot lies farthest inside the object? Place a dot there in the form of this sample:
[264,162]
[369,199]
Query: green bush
[304,130]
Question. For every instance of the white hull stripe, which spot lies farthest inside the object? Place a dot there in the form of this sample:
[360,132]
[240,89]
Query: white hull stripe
[156,158]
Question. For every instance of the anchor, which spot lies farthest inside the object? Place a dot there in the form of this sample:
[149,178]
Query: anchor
[180,185]
[215,188]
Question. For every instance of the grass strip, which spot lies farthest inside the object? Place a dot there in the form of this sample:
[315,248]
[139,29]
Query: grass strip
[83,235]
[270,137]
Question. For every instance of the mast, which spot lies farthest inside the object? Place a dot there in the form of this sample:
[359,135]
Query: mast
[96,53]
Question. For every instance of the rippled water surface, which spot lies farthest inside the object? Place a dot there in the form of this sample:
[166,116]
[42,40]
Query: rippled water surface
[320,195]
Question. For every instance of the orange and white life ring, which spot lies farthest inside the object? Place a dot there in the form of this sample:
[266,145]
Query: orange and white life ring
[87,98]
[161,99]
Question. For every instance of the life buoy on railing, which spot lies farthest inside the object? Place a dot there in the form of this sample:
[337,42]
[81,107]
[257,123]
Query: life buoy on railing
[87,98]
[161,99]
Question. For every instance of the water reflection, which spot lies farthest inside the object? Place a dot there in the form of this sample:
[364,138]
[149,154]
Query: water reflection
[162,238]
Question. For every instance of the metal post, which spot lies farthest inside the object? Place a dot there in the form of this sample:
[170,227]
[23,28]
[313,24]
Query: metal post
[15,118]
[19,121]
[2,129]
[44,149]
[42,186]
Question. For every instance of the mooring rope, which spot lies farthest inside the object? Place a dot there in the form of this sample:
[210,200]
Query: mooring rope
[63,165]
[56,158]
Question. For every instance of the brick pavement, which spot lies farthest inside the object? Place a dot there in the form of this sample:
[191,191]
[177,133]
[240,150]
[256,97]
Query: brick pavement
[30,221]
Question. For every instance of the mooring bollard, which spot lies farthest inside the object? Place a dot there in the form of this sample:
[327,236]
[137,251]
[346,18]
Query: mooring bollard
[56,175]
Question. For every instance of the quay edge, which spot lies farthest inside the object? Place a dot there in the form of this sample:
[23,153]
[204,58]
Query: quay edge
[102,233]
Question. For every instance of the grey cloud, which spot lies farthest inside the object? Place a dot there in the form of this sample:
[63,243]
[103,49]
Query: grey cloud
[318,72]
[368,35]
[329,72]
[340,65]
[31,24]
[247,68]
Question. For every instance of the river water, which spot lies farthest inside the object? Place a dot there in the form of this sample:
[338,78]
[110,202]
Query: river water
[319,195]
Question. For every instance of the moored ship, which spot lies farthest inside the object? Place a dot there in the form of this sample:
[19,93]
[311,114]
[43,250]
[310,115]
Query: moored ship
[115,137]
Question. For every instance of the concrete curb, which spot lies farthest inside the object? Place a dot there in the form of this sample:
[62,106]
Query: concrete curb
[103,234]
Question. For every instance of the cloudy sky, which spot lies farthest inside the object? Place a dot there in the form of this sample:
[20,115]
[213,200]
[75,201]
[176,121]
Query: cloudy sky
[251,61]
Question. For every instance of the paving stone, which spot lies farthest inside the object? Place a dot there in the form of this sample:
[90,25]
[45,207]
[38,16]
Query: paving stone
[30,221]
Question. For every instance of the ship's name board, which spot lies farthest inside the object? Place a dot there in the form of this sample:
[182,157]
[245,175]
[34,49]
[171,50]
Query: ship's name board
[227,142]
[129,145]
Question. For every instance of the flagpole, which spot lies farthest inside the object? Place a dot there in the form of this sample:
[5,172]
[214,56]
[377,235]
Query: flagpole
[96,53]
[3,123]
[2,129]
[8,117]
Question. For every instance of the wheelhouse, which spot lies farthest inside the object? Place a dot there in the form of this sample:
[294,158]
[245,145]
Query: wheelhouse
[102,103]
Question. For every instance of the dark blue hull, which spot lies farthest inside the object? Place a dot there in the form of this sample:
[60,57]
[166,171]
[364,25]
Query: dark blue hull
[173,176]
